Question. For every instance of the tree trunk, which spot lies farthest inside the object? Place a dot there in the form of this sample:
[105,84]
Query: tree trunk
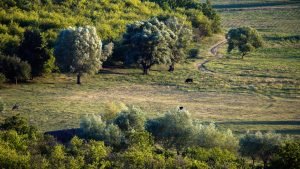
[265,164]
[78,78]
[243,55]
[16,81]
[145,69]
[171,67]
[253,163]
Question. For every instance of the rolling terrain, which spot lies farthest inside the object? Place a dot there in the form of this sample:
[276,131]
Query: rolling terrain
[260,92]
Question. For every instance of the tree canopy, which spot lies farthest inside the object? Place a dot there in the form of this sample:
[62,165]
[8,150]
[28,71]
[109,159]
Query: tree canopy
[78,50]
[245,39]
[148,43]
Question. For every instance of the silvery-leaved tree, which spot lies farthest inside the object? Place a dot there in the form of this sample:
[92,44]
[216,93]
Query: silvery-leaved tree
[78,50]
[178,46]
[147,43]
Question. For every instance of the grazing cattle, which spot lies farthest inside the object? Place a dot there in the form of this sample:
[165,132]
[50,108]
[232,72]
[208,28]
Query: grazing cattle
[189,80]
[15,107]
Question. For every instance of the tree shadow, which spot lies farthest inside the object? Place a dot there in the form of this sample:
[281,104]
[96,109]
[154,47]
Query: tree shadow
[261,122]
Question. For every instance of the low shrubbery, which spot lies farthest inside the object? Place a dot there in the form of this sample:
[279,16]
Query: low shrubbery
[129,140]
[14,69]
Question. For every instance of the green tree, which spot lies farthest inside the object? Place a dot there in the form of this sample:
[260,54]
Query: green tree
[58,157]
[246,39]
[10,158]
[14,69]
[174,129]
[33,50]
[148,43]
[212,14]
[19,124]
[262,146]
[178,47]
[288,156]
[78,50]
[131,119]
[96,155]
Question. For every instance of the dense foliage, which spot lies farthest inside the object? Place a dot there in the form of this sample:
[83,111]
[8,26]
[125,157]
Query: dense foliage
[129,140]
[29,29]
[14,69]
[148,43]
[246,39]
[79,50]
[33,50]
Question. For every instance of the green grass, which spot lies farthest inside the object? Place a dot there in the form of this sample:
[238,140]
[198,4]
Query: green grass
[260,92]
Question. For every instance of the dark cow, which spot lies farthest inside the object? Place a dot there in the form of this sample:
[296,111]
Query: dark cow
[15,107]
[189,80]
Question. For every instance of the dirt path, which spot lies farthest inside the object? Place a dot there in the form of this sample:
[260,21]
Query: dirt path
[214,51]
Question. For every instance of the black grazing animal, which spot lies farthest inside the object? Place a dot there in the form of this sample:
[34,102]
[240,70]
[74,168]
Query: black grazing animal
[15,107]
[189,80]
[181,108]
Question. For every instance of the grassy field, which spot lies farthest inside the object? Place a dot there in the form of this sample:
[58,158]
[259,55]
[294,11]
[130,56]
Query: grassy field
[260,92]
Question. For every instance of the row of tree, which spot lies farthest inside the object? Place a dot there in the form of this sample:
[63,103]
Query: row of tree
[79,50]
[162,40]
[121,137]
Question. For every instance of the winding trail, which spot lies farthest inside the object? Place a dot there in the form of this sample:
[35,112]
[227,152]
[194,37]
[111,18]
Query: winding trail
[214,51]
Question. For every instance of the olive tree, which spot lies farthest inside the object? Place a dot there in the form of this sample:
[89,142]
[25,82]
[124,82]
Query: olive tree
[78,50]
[259,145]
[174,129]
[147,43]
[287,156]
[183,36]
[246,39]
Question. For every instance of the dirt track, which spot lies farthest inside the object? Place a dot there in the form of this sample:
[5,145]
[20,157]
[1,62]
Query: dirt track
[214,51]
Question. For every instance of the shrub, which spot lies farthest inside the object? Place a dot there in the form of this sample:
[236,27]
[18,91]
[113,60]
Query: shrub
[259,145]
[209,136]
[214,158]
[14,69]
[131,119]
[175,128]
[288,156]
[19,124]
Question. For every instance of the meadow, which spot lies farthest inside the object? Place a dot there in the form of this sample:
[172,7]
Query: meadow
[260,92]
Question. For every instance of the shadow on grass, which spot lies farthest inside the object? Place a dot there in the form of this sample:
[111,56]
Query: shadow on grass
[64,136]
[274,38]
[284,131]
[108,71]
[260,122]
[252,5]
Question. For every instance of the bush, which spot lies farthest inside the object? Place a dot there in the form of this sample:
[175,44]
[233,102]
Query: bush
[288,156]
[215,157]
[210,137]
[259,145]
[19,124]
[14,69]
[131,119]
[194,53]
[175,128]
